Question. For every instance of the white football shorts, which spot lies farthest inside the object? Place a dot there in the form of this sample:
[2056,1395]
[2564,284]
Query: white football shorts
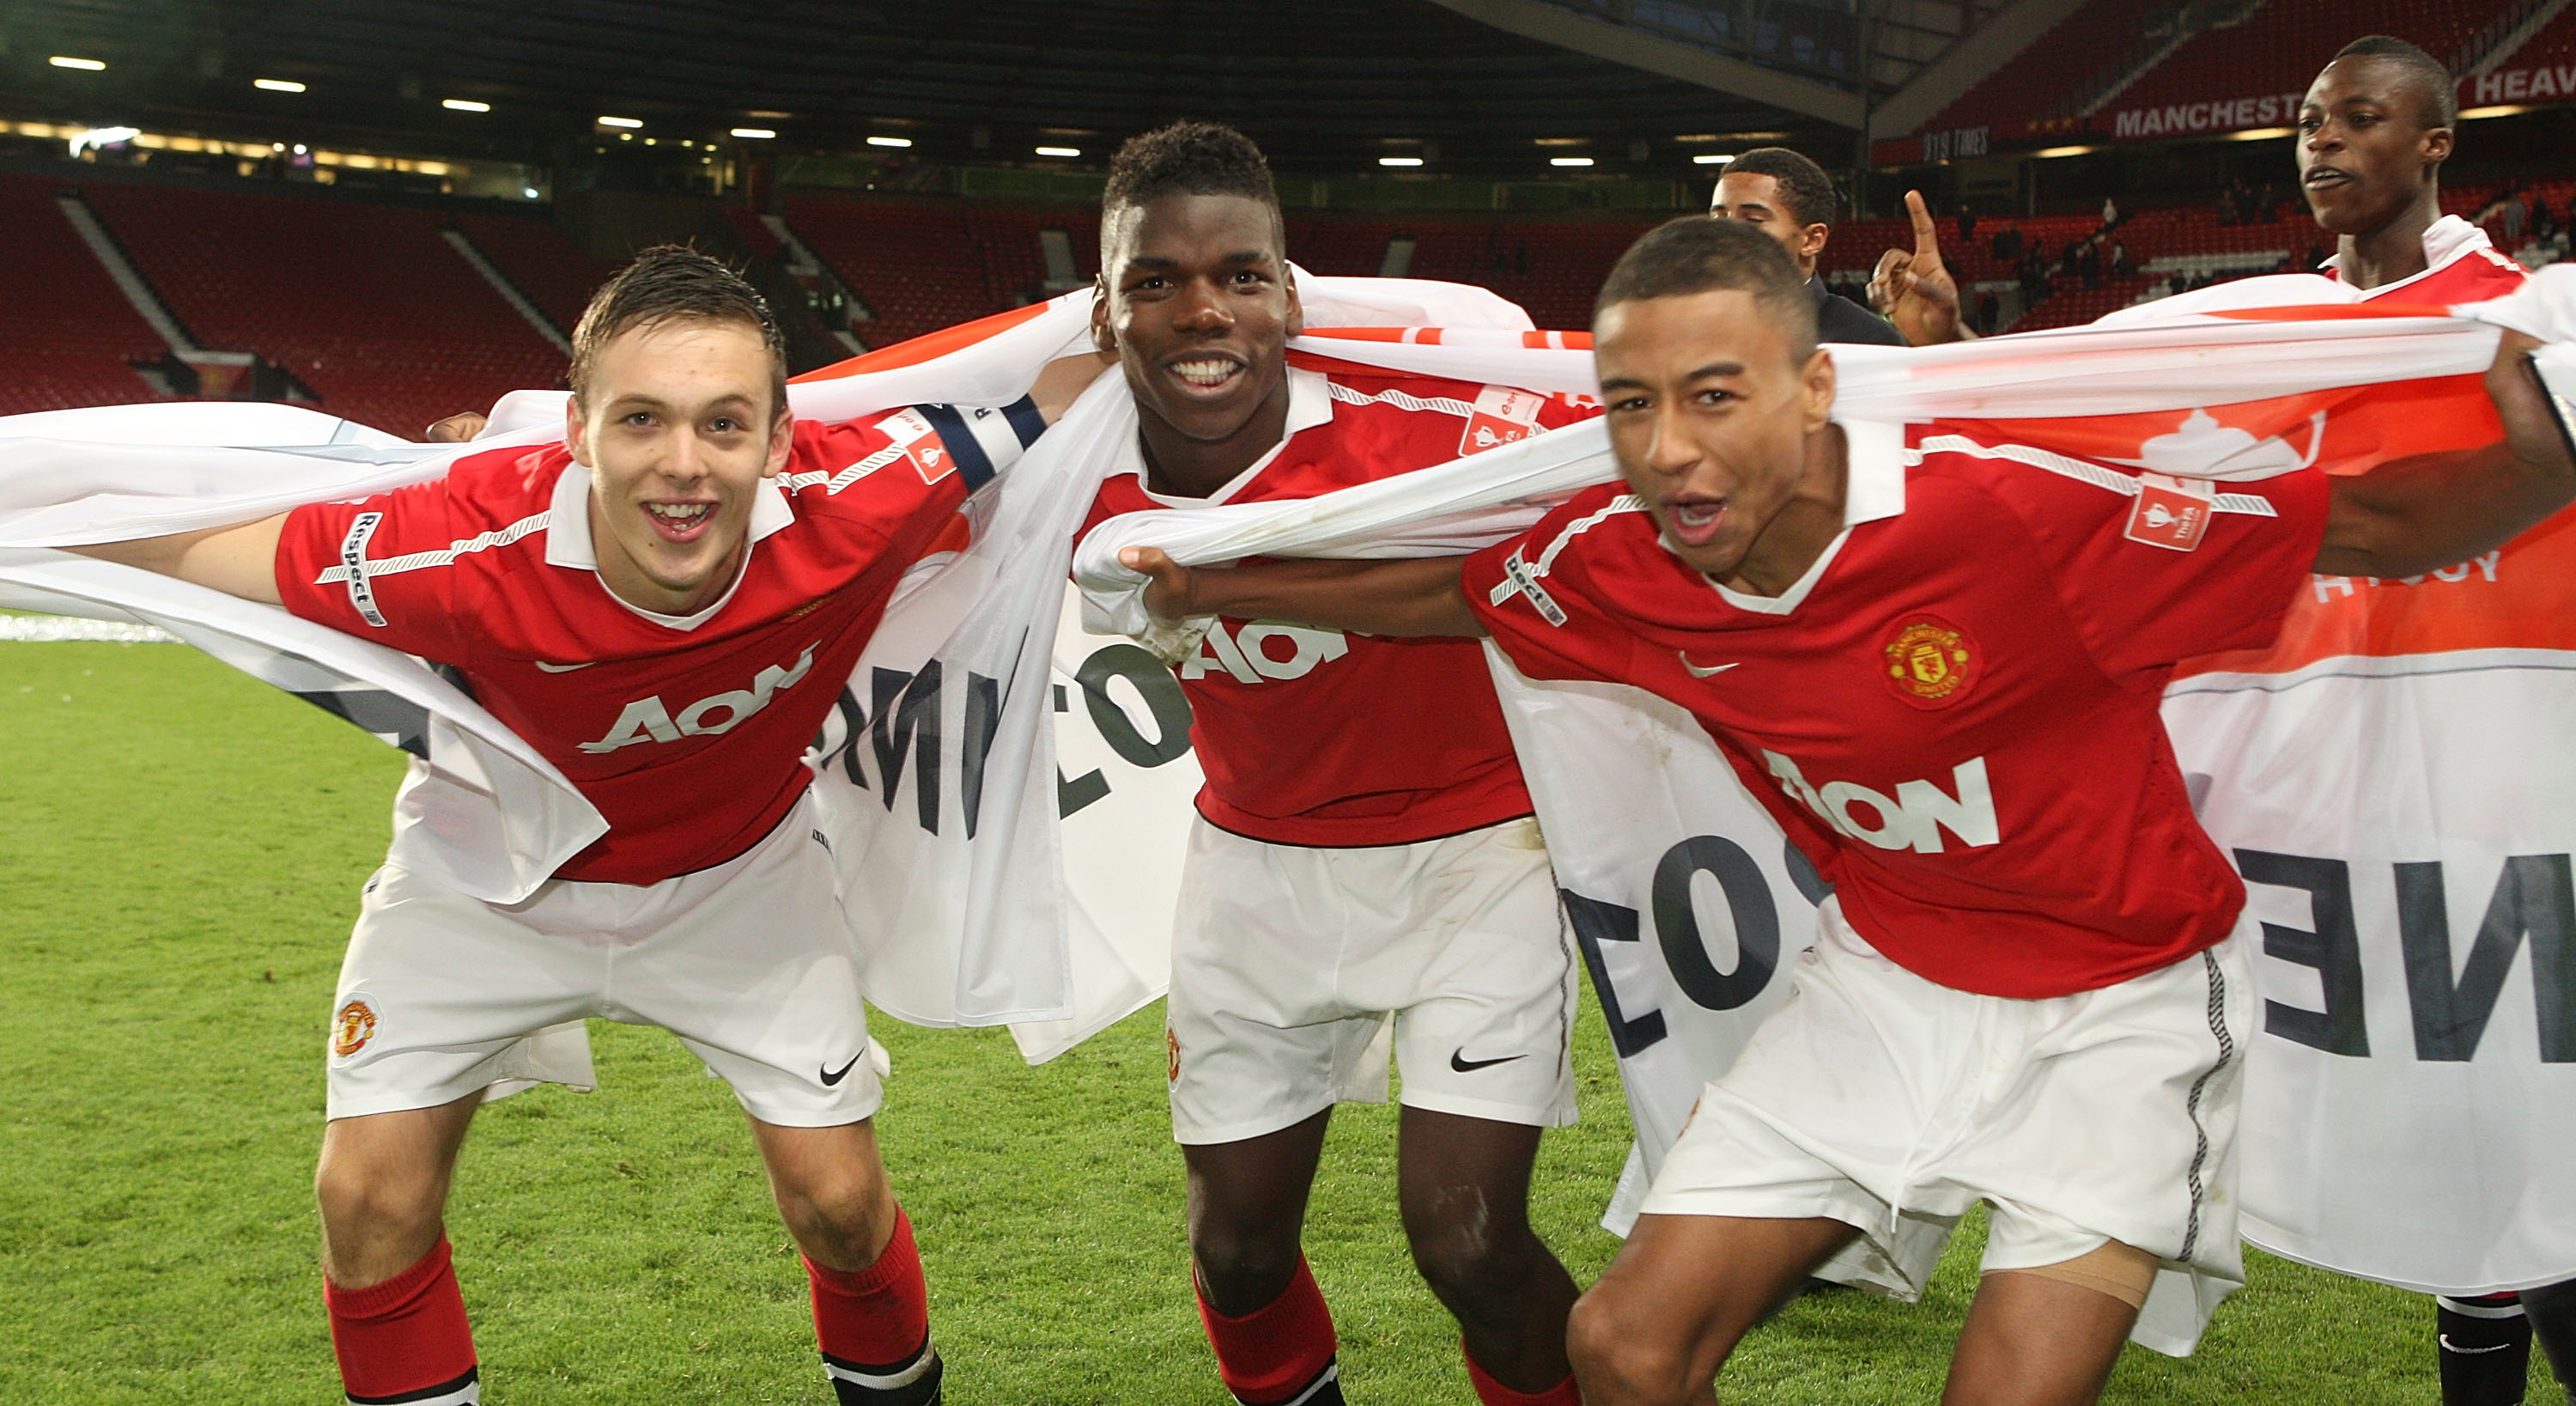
[749,963]
[1295,970]
[1892,1103]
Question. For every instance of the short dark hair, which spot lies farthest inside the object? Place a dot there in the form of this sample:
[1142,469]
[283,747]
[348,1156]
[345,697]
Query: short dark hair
[1189,158]
[1695,254]
[1805,190]
[2441,95]
[675,283]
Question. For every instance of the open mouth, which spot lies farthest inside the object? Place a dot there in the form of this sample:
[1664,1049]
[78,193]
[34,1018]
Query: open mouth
[1695,522]
[679,522]
[1206,375]
[2324,177]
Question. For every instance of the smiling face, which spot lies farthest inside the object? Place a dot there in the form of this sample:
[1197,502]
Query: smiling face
[1715,422]
[1757,201]
[2366,154]
[677,428]
[1195,298]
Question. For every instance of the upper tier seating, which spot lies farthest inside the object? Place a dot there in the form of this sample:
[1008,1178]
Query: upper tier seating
[363,303]
[2281,47]
[2062,70]
[540,262]
[65,330]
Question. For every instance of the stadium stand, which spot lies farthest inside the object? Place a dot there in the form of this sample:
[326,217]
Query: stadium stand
[917,266]
[539,261]
[2048,82]
[2279,47]
[65,330]
[363,303]
[2554,44]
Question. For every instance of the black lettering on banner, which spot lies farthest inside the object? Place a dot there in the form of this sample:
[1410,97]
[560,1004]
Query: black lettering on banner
[1802,872]
[1086,789]
[854,721]
[1748,899]
[908,705]
[983,723]
[1162,692]
[2333,948]
[2534,895]
[1596,922]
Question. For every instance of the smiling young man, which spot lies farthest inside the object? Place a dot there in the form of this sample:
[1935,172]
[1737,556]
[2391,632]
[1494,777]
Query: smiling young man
[1364,872]
[1940,671]
[662,607]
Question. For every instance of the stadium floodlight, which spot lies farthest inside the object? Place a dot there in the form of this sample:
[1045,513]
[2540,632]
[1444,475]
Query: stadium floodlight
[1711,160]
[464,105]
[621,122]
[2260,134]
[1569,161]
[2066,151]
[278,85]
[889,141]
[2505,110]
[1059,151]
[1399,161]
[64,61]
[754,134]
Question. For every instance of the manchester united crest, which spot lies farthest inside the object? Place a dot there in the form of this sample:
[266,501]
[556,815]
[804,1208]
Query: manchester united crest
[1172,1043]
[352,1028]
[1929,662]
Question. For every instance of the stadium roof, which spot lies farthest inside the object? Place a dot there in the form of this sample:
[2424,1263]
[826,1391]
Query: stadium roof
[1324,84]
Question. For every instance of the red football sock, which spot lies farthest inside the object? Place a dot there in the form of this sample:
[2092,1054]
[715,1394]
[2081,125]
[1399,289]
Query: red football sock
[875,1319]
[406,1338]
[1279,1351]
[1494,1393]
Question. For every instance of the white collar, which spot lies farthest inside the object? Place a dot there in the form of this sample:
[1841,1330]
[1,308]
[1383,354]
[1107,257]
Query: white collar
[2446,241]
[569,544]
[1873,488]
[1310,403]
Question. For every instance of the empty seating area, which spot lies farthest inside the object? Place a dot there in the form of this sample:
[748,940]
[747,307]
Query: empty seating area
[917,266]
[65,330]
[539,261]
[365,304]
[2279,48]
[2059,73]
[2554,44]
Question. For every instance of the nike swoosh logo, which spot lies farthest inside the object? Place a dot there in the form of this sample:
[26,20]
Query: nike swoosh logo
[563,668]
[1699,673]
[1458,1060]
[2450,1346]
[835,1076]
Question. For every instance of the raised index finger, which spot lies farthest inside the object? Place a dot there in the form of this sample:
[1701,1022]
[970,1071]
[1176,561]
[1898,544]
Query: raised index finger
[1927,239]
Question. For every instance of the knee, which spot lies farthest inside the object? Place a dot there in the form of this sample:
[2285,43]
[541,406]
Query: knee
[841,1217]
[1613,1362]
[1472,1264]
[375,1223]
[1241,1268]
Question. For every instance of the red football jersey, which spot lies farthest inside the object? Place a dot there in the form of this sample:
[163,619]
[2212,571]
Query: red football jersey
[1954,713]
[2462,266]
[1314,737]
[687,733]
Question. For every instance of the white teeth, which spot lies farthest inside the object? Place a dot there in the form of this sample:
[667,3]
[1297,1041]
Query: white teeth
[1204,373]
[679,512]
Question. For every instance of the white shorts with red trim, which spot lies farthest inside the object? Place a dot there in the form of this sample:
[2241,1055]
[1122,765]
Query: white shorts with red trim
[749,963]
[1880,1099]
[1295,972]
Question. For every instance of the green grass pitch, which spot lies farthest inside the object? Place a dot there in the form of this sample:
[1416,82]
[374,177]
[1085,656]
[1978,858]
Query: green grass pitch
[180,856]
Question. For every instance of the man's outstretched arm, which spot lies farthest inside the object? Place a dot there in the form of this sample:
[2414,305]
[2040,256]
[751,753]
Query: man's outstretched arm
[2422,513]
[1414,597]
[238,561]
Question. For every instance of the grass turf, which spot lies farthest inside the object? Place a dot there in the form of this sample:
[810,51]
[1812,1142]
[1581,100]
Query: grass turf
[184,851]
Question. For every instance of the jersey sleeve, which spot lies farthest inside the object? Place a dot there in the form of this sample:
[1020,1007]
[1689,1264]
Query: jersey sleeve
[372,568]
[2178,567]
[1537,597]
[919,458]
